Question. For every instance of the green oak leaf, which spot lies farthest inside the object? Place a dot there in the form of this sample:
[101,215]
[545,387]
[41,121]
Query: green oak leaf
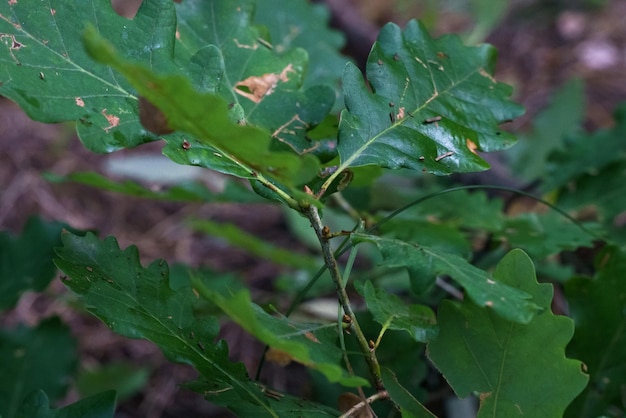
[392,313]
[310,344]
[101,405]
[598,307]
[46,70]
[262,81]
[302,24]
[518,370]
[425,263]
[433,102]
[139,302]
[26,260]
[243,148]
[43,358]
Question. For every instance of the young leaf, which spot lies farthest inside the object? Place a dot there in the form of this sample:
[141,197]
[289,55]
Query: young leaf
[598,307]
[310,344]
[425,263]
[434,102]
[35,358]
[101,405]
[518,369]
[26,261]
[139,302]
[264,82]
[392,313]
[46,70]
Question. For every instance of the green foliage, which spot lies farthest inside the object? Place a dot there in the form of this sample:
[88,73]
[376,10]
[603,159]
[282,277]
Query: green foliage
[26,261]
[601,348]
[258,97]
[501,360]
[101,405]
[42,358]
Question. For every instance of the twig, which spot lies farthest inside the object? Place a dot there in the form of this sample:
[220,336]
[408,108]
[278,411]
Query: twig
[383,394]
[333,268]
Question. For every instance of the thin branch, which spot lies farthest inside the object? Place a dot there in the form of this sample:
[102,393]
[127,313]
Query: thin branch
[383,394]
[333,268]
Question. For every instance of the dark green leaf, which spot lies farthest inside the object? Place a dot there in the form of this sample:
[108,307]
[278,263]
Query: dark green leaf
[139,302]
[35,358]
[598,307]
[46,70]
[424,264]
[299,23]
[101,405]
[243,148]
[410,407]
[264,83]
[393,313]
[26,261]
[433,102]
[518,369]
[310,344]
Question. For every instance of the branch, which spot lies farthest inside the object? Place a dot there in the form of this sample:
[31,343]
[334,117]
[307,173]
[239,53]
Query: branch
[383,394]
[333,268]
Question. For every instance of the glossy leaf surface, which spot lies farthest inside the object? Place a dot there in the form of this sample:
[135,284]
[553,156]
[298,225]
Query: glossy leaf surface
[432,104]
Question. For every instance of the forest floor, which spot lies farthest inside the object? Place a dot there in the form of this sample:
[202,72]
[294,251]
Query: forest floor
[539,49]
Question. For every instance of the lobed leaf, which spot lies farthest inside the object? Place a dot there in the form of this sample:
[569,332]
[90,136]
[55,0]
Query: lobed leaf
[425,263]
[262,81]
[46,70]
[517,369]
[139,302]
[598,308]
[433,103]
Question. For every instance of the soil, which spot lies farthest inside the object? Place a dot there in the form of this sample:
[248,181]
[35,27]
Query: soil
[541,45]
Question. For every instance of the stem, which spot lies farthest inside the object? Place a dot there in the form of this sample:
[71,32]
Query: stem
[333,268]
[383,394]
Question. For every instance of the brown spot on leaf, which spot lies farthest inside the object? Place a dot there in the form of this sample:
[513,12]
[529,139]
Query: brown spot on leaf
[471,145]
[79,102]
[257,87]
[112,119]
[486,74]
[12,2]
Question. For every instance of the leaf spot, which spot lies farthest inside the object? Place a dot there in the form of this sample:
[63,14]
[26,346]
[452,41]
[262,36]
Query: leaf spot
[486,74]
[471,145]
[244,46]
[489,303]
[79,102]
[257,87]
[52,11]
[112,119]
[12,2]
